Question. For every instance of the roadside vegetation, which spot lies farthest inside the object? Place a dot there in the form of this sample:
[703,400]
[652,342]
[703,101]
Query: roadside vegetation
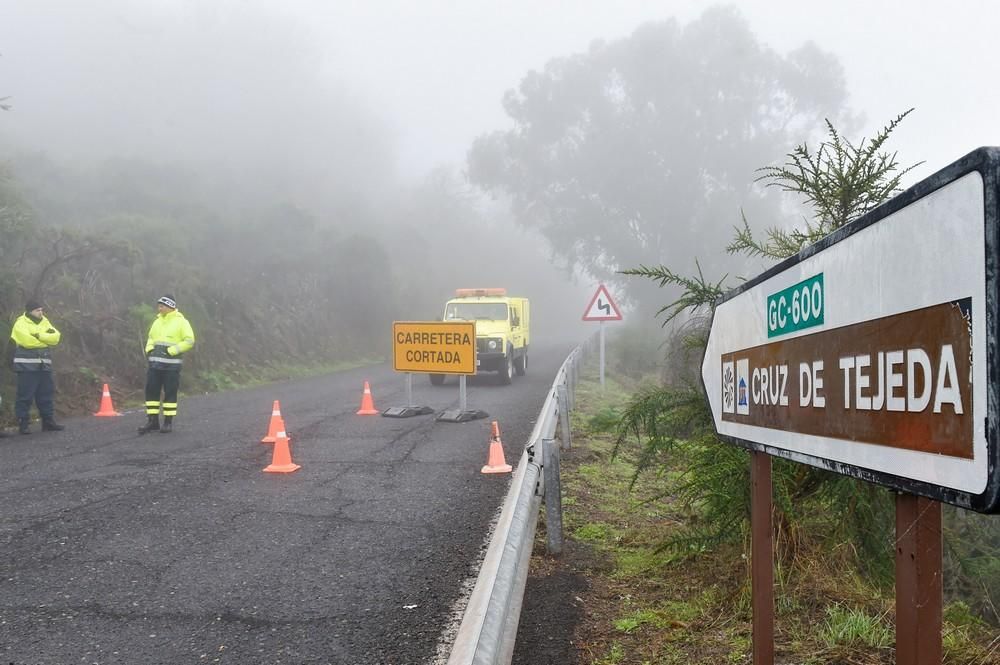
[657,596]
[663,504]
[273,290]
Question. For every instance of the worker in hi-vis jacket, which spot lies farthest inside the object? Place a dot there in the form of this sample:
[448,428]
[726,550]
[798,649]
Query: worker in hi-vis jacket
[34,337]
[170,337]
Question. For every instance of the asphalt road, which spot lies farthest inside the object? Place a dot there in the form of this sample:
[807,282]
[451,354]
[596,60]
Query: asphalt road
[116,548]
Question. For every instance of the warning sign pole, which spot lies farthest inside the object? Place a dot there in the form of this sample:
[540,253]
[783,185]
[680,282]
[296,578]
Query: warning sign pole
[602,354]
[602,308]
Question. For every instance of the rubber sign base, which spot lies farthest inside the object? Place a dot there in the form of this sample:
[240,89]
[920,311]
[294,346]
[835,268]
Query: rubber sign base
[407,411]
[459,416]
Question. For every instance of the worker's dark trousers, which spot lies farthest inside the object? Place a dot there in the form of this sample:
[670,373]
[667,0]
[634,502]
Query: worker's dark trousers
[167,381]
[37,387]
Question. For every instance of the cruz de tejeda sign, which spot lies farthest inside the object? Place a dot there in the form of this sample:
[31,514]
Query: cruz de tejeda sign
[873,353]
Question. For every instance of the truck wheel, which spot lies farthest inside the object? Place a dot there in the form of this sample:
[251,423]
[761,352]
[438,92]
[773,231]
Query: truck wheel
[436,379]
[521,364]
[507,370]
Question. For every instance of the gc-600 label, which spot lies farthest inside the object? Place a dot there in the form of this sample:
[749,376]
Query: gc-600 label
[796,308]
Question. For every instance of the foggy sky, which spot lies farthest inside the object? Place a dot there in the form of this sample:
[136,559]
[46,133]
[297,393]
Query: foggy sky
[417,81]
[310,100]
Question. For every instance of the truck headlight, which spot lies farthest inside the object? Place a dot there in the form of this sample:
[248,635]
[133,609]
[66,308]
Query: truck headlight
[493,344]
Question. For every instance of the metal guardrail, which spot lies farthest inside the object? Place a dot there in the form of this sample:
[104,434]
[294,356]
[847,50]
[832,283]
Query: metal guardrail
[489,626]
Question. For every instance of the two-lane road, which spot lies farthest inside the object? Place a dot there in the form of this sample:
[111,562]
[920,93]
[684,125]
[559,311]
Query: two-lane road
[178,549]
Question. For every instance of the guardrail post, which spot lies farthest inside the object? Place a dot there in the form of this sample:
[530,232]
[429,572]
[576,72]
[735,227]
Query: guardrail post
[553,496]
[563,400]
[571,380]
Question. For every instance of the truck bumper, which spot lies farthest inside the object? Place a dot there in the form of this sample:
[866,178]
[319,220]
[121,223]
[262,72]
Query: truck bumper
[490,362]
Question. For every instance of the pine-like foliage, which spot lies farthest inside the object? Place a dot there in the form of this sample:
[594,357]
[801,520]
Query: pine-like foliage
[672,426]
[674,429]
[839,181]
[697,294]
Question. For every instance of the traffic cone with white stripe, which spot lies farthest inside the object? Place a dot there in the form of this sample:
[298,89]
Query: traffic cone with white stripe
[281,460]
[107,409]
[496,462]
[367,404]
[276,425]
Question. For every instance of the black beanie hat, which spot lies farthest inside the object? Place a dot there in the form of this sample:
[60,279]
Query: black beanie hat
[168,300]
[32,304]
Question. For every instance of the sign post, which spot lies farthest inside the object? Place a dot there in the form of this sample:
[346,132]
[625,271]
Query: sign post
[762,558]
[919,585]
[436,347]
[602,308]
[874,353]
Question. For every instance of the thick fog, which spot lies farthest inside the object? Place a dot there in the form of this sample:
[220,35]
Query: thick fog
[395,121]
[223,88]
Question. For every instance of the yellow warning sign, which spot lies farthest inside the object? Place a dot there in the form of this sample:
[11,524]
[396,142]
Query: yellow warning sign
[434,347]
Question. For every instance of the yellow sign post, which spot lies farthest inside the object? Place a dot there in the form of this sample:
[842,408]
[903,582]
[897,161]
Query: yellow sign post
[434,347]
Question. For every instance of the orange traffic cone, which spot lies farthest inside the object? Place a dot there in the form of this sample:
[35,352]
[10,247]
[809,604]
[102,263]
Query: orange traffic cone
[281,461]
[276,425]
[496,462]
[367,405]
[107,409]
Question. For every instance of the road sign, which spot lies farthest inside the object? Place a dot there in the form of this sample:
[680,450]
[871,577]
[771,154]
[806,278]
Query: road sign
[874,352]
[602,307]
[436,347]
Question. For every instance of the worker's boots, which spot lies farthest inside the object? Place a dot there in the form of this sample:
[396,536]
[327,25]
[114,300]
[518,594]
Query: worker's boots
[168,425]
[22,426]
[152,425]
[50,425]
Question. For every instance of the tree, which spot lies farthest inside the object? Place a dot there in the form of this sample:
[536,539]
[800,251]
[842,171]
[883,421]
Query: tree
[841,182]
[633,152]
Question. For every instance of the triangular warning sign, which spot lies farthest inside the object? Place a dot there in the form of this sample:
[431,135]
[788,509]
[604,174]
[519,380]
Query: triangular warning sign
[602,307]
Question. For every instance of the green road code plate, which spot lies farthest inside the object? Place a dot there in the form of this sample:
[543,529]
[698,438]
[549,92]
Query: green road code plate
[796,308]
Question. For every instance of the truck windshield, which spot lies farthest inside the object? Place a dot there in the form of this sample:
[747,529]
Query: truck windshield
[471,311]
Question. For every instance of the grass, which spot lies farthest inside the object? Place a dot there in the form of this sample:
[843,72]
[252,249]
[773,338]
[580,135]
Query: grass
[651,607]
[854,627]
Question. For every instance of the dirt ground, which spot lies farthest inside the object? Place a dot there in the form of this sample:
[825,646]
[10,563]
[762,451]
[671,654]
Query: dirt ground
[562,610]
[554,607]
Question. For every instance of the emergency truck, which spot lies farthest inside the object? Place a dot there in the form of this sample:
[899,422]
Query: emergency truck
[502,330]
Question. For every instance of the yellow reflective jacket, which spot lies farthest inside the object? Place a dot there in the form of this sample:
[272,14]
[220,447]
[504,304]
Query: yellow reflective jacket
[169,337]
[33,340]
